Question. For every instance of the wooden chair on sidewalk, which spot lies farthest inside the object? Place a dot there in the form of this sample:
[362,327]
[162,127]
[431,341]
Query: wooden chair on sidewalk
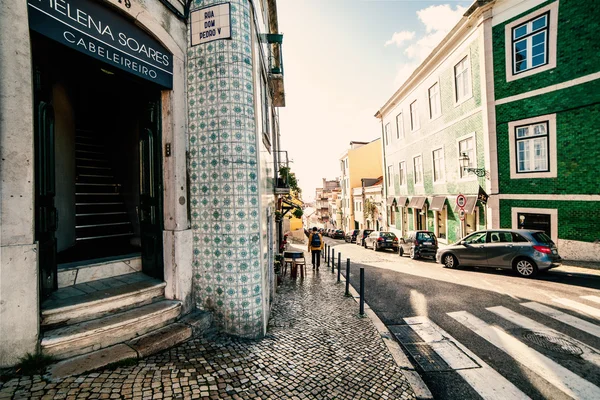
[288,261]
[299,262]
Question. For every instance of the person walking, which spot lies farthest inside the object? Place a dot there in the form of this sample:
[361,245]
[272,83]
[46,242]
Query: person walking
[315,245]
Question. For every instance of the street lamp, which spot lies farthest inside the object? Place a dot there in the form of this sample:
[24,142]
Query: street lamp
[464,163]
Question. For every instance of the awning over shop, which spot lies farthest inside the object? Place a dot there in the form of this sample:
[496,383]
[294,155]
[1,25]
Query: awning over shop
[437,203]
[401,202]
[416,202]
[469,206]
[391,200]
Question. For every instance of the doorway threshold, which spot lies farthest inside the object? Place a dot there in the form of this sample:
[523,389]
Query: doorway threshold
[77,264]
[77,272]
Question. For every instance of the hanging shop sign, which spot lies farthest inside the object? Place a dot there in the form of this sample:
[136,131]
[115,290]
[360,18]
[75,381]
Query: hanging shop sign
[92,29]
[210,23]
[482,196]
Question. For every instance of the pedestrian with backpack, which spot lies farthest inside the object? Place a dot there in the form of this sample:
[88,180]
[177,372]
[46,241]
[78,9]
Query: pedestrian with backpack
[315,245]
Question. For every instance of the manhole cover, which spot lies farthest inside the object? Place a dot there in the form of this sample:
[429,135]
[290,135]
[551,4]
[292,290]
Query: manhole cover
[552,343]
[405,334]
[426,357]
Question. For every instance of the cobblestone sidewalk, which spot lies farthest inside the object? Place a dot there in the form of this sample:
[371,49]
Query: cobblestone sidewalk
[317,347]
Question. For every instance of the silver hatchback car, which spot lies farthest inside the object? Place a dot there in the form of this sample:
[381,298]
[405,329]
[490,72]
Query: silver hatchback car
[524,251]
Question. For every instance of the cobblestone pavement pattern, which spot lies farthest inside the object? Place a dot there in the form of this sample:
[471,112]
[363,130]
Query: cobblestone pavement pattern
[317,347]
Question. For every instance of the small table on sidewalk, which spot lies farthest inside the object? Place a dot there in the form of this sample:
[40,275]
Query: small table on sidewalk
[295,259]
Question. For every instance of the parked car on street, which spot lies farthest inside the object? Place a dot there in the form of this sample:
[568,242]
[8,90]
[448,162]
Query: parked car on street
[524,251]
[338,234]
[362,234]
[418,244]
[378,240]
[351,236]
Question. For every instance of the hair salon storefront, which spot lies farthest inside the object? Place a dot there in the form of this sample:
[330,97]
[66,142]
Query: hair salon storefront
[93,160]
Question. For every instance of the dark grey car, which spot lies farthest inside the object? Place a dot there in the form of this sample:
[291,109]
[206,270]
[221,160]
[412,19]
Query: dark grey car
[378,240]
[524,251]
[419,244]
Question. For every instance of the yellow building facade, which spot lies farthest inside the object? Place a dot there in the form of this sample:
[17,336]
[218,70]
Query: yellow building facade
[361,160]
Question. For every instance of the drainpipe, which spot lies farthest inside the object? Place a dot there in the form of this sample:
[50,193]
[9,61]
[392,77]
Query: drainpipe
[385,179]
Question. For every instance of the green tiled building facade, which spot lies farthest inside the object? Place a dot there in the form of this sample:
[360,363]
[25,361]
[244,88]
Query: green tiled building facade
[434,120]
[546,64]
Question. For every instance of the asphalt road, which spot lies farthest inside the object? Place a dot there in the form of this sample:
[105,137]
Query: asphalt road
[483,333]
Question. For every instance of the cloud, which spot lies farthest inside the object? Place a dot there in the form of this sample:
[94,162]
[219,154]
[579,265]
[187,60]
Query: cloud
[404,72]
[421,49]
[438,21]
[400,37]
[440,18]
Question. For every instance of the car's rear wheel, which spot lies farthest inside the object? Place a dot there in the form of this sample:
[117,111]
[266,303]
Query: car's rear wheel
[525,268]
[450,261]
[413,255]
[401,251]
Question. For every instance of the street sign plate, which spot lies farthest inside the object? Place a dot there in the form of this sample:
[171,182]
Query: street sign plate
[461,200]
[461,214]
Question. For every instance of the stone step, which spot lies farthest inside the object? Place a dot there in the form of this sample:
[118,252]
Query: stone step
[99,303]
[76,273]
[160,339]
[148,344]
[99,333]
[196,324]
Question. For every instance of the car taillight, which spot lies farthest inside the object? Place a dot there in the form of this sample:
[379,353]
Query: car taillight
[416,242]
[380,239]
[395,239]
[543,249]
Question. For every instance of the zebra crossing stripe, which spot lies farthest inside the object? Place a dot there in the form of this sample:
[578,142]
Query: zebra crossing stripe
[589,353]
[595,299]
[565,318]
[480,376]
[571,384]
[584,308]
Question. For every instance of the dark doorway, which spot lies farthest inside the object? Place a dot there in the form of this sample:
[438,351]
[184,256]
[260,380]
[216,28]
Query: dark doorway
[540,222]
[107,159]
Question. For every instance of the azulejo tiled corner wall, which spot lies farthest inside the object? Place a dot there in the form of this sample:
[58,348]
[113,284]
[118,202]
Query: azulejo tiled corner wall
[224,178]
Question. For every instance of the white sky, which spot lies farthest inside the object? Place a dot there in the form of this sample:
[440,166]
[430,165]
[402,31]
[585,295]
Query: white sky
[342,60]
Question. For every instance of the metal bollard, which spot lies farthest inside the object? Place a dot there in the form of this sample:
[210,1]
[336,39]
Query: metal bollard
[333,262]
[323,254]
[339,265]
[332,257]
[347,277]
[362,292]
[327,256]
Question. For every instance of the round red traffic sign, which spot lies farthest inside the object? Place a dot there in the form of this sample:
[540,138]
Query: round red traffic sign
[461,201]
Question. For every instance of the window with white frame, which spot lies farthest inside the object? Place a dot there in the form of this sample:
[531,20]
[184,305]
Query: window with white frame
[532,147]
[390,172]
[532,143]
[438,165]
[466,147]
[435,107]
[402,173]
[387,134]
[414,116]
[462,80]
[418,169]
[399,126]
[529,44]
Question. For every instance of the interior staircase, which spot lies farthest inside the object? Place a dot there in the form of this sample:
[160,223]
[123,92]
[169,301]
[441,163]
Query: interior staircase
[100,209]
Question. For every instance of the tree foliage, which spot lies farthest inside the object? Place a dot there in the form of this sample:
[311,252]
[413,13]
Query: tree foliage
[370,208]
[290,177]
